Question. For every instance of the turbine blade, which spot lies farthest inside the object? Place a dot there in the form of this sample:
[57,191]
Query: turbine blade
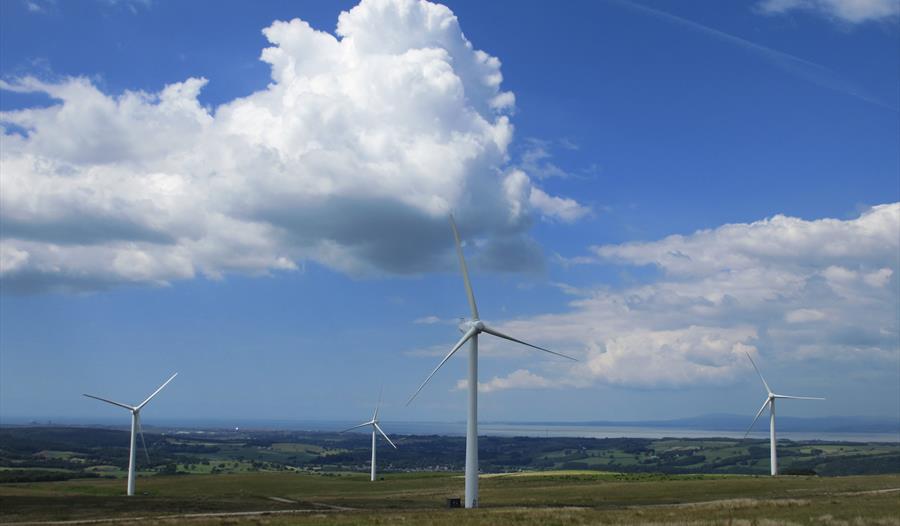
[370,422]
[378,427]
[799,397]
[128,407]
[760,374]
[141,432]
[465,270]
[761,409]
[142,404]
[377,407]
[510,338]
[471,332]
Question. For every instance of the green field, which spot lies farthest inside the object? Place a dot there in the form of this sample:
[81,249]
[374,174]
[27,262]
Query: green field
[558,497]
[42,454]
[287,477]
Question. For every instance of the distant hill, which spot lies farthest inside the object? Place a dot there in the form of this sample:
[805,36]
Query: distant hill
[729,422]
[709,422]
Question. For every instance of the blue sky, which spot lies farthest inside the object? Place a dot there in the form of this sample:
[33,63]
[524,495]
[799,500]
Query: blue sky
[275,230]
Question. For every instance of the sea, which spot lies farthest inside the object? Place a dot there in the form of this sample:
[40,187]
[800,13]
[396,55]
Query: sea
[591,431]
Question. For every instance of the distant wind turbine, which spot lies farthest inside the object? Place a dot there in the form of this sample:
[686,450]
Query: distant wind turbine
[472,328]
[770,402]
[375,427]
[135,429]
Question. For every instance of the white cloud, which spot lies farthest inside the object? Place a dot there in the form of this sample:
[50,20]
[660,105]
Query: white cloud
[536,159]
[351,157]
[853,11]
[433,320]
[776,243]
[561,208]
[132,5]
[690,355]
[741,288]
[878,278]
[518,379]
[523,196]
[34,7]
[804,315]
[12,259]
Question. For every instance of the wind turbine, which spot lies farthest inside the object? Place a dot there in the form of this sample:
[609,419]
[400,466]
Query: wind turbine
[770,403]
[471,329]
[135,429]
[375,427]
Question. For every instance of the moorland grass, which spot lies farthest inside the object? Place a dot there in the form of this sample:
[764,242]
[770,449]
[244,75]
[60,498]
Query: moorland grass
[562,497]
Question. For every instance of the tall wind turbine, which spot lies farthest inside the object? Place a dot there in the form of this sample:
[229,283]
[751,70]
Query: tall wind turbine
[770,403]
[472,328]
[375,428]
[135,428]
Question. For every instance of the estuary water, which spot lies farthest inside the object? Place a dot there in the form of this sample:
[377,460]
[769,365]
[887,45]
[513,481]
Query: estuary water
[590,431]
[761,431]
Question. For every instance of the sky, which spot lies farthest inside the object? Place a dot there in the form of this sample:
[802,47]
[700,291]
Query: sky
[255,195]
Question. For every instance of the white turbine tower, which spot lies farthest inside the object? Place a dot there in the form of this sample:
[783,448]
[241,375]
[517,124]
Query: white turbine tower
[770,403]
[472,328]
[375,428]
[135,429]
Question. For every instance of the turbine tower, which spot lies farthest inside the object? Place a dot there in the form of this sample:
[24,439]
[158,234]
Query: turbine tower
[472,328]
[770,403]
[375,427]
[135,429]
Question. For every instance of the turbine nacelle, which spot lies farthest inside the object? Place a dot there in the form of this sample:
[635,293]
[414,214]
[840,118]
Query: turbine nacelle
[467,325]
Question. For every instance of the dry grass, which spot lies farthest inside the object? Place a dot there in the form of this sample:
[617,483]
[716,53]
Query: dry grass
[563,499]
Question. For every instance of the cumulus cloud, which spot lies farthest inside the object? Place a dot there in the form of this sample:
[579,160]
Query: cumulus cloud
[525,196]
[852,11]
[351,157]
[535,161]
[518,379]
[784,287]
[832,246]
[561,208]
[804,315]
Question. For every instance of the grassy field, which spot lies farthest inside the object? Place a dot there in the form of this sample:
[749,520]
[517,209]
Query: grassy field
[560,497]
[41,453]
